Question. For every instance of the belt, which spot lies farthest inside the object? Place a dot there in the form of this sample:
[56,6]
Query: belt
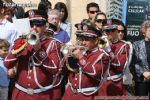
[115,77]
[83,89]
[29,91]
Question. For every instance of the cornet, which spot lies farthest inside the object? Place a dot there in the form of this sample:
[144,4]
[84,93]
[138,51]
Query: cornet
[101,43]
[67,50]
[32,38]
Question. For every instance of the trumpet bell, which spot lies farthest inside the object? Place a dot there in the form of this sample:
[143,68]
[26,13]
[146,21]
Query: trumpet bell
[66,51]
[101,43]
[32,38]
[71,62]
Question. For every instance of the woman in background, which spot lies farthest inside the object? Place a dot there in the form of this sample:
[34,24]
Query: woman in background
[45,5]
[64,24]
[100,20]
[9,13]
[141,62]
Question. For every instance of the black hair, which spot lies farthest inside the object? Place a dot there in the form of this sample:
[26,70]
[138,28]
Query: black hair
[19,12]
[43,5]
[9,10]
[1,4]
[59,6]
[100,13]
[92,4]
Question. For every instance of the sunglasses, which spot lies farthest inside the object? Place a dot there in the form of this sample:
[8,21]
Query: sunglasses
[110,30]
[93,12]
[103,21]
[37,23]
[122,31]
[62,11]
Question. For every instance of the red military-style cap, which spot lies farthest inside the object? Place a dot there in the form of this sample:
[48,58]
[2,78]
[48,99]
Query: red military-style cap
[109,25]
[87,30]
[35,14]
[36,17]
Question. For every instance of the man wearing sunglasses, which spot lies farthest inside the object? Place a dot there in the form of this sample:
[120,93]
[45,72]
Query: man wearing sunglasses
[122,56]
[121,29]
[36,64]
[92,8]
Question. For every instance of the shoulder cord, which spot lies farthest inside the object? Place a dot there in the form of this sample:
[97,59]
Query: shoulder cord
[117,64]
[130,53]
[103,78]
[48,49]
[128,58]
[59,70]
[120,50]
[35,74]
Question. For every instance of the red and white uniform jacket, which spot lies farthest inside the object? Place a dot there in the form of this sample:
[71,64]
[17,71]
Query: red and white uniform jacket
[118,67]
[34,80]
[85,82]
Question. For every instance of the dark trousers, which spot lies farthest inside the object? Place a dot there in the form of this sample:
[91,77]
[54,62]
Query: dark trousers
[11,87]
[142,88]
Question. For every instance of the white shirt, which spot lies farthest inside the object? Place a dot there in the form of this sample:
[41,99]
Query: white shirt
[7,31]
[66,27]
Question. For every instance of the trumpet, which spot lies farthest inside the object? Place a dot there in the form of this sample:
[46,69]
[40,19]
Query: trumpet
[101,43]
[67,50]
[32,38]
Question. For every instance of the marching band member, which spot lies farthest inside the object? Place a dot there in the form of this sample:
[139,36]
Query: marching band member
[37,63]
[89,68]
[122,56]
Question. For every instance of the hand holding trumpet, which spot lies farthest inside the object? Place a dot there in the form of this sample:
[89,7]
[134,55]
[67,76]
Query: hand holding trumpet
[73,51]
[31,38]
[77,52]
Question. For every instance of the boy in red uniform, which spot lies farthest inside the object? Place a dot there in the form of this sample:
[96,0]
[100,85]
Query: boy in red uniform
[122,56]
[89,67]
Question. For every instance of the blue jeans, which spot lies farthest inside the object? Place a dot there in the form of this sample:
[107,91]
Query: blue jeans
[3,93]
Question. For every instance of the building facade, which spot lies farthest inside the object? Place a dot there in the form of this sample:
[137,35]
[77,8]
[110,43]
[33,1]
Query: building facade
[114,9]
